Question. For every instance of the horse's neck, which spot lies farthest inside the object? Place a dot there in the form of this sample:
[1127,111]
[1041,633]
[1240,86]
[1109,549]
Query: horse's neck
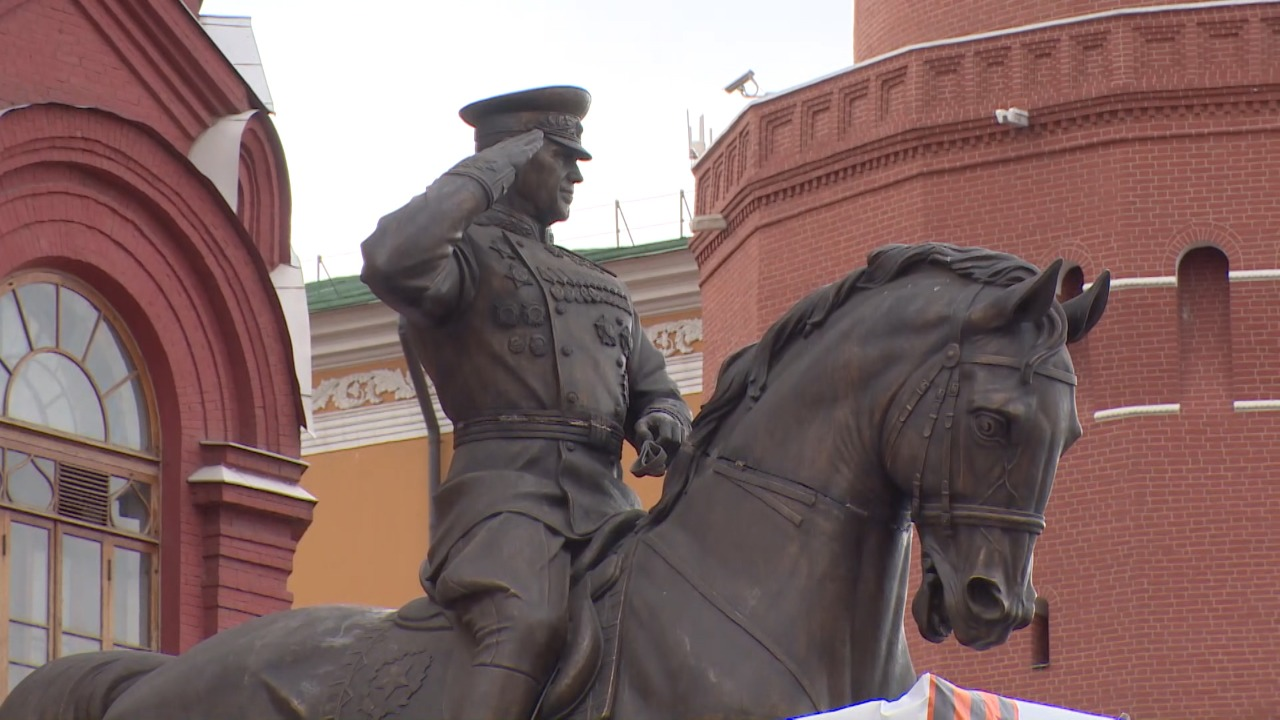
[814,582]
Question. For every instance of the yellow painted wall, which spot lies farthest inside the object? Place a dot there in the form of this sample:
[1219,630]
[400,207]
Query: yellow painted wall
[369,533]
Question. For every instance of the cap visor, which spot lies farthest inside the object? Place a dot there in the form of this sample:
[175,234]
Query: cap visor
[582,152]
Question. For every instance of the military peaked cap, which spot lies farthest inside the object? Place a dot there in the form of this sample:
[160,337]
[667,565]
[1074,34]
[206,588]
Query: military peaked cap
[556,111]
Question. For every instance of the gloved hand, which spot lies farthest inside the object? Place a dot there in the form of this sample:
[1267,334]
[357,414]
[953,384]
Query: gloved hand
[658,436]
[495,167]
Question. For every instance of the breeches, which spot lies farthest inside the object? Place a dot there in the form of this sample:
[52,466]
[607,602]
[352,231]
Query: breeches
[507,579]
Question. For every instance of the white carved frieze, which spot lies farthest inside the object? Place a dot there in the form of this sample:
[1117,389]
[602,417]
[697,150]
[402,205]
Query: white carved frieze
[675,337]
[363,388]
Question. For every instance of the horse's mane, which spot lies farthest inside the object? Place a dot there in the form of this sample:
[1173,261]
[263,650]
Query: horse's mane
[745,372]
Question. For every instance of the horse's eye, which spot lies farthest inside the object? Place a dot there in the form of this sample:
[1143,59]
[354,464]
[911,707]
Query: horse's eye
[990,426]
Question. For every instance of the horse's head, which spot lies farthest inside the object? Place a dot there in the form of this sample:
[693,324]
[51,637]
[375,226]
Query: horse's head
[974,439]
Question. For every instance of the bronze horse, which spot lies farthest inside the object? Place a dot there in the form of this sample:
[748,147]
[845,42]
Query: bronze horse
[931,387]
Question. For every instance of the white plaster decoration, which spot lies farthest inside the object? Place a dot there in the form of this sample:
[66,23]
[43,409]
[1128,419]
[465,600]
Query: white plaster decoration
[1256,405]
[235,476]
[364,388]
[675,337]
[1137,411]
[394,420]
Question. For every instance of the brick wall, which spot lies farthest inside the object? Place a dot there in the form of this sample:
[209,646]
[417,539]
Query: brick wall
[882,26]
[1153,151]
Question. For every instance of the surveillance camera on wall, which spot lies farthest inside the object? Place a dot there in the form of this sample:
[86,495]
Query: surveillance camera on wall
[1013,116]
[740,85]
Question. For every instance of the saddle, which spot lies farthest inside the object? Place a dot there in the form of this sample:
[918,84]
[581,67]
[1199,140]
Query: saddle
[591,641]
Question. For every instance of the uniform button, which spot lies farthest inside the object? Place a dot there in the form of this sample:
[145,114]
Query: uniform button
[571,397]
[570,446]
[565,350]
[559,309]
[516,345]
[622,362]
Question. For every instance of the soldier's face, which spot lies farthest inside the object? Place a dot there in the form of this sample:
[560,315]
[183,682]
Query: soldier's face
[544,186]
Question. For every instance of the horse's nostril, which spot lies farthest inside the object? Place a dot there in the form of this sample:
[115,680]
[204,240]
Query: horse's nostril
[985,598]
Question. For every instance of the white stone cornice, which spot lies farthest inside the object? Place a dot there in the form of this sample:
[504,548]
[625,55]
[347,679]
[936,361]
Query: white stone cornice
[354,335]
[1256,405]
[234,476]
[1162,281]
[1137,411]
[662,283]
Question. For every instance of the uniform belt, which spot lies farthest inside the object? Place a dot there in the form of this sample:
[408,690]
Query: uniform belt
[598,432]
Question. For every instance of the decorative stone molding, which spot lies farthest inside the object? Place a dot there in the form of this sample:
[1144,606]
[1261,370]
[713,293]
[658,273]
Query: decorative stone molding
[1256,405]
[1137,411]
[391,420]
[675,337]
[898,129]
[364,388]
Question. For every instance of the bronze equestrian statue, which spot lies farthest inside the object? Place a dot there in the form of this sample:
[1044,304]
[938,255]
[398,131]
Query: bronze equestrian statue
[540,361]
[932,386]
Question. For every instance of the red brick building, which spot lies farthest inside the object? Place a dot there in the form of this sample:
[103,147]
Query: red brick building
[1152,148]
[149,404]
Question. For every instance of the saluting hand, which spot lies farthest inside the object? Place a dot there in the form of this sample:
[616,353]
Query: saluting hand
[516,150]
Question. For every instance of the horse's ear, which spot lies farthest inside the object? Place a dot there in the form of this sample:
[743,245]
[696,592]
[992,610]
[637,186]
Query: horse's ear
[1085,310]
[1027,301]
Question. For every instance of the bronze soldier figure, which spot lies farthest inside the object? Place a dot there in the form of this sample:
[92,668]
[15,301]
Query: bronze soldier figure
[539,360]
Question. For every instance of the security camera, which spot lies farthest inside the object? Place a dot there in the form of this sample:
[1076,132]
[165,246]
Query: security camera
[740,85]
[703,223]
[1013,116]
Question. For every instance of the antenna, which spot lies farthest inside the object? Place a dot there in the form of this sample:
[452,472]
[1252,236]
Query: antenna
[696,147]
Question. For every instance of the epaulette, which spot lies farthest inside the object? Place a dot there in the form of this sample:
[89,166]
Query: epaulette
[586,262]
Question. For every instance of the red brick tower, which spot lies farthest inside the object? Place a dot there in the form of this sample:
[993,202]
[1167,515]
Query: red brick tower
[1152,148]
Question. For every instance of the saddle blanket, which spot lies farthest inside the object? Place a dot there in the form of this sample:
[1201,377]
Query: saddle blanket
[933,698]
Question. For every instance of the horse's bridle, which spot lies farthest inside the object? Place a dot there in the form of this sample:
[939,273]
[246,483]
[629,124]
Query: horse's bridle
[940,383]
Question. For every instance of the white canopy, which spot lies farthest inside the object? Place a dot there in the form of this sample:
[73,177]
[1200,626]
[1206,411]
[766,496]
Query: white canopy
[933,698]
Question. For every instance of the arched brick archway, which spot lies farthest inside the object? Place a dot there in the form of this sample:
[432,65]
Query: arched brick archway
[103,199]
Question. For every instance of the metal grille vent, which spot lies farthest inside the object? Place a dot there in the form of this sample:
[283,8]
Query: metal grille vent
[83,494]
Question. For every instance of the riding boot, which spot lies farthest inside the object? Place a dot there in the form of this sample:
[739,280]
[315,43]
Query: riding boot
[490,692]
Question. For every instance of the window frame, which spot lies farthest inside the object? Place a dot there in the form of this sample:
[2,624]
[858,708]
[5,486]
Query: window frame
[108,316]
[99,457]
[107,541]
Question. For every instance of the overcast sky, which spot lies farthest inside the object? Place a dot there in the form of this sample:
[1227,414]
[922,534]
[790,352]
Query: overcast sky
[366,95]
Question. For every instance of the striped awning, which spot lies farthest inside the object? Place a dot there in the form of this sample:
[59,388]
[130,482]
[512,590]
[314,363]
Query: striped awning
[933,698]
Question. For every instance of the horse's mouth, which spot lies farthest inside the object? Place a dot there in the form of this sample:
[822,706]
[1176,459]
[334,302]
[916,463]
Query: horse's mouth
[929,608]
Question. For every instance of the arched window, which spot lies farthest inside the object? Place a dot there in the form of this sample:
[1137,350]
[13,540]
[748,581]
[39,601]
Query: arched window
[1204,329]
[78,468]
[1071,283]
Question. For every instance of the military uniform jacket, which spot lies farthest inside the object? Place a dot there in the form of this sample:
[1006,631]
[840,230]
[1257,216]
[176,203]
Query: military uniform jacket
[510,323]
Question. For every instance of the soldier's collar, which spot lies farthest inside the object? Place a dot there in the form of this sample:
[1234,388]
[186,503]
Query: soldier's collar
[513,221]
